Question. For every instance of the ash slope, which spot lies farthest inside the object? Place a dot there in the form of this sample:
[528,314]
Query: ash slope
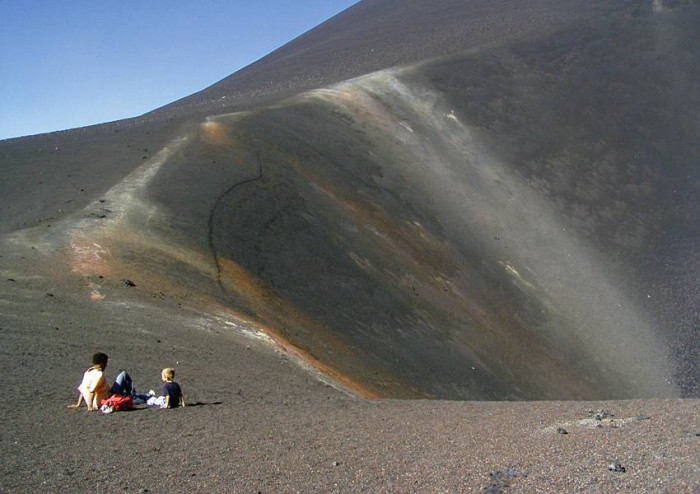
[65,171]
[511,221]
[377,34]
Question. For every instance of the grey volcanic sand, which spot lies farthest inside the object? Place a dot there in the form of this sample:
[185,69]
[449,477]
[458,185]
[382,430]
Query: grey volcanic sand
[510,214]
[264,424]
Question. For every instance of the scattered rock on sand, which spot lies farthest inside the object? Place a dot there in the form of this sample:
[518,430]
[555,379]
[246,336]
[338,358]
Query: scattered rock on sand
[616,466]
[129,283]
[599,415]
[501,480]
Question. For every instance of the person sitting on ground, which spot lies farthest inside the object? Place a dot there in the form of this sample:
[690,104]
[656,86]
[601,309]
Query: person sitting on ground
[172,393]
[94,388]
[124,386]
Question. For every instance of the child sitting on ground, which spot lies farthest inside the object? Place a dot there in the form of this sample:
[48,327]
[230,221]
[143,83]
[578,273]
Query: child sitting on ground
[172,394]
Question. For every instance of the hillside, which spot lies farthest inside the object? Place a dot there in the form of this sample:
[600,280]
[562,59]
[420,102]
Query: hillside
[481,202]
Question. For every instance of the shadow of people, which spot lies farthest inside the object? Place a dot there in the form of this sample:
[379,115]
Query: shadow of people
[204,403]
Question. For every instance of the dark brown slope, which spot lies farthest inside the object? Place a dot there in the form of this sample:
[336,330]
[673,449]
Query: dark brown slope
[494,223]
[376,34]
[367,37]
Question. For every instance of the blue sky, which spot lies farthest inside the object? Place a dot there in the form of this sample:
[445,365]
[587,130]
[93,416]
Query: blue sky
[70,63]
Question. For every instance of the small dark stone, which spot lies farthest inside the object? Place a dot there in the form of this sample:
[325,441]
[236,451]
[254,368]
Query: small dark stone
[11,279]
[129,283]
[497,488]
[642,417]
[50,295]
[617,467]
[501,480]
[561,430]
[600,414]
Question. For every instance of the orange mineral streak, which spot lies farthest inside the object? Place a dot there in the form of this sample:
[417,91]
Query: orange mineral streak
[302,355]
[358,104]
[154,263]
[422,252]
[431,264]
[150,247]
[88,257]
[216,134]
[96,295]
[276,313]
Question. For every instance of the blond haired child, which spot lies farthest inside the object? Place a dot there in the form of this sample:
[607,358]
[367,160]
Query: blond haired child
[171,392]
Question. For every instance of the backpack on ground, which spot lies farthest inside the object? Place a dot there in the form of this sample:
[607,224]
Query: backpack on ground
[117,403]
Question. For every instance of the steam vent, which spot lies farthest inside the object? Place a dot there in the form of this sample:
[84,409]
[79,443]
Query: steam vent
[473,200]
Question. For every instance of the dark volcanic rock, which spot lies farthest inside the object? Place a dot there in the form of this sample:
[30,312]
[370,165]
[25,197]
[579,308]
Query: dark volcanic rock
[617,467]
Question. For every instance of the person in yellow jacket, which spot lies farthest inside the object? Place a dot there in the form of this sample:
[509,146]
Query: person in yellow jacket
[94,387]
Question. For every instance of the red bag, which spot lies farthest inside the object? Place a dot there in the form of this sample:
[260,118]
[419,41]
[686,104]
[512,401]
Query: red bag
[118,402]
